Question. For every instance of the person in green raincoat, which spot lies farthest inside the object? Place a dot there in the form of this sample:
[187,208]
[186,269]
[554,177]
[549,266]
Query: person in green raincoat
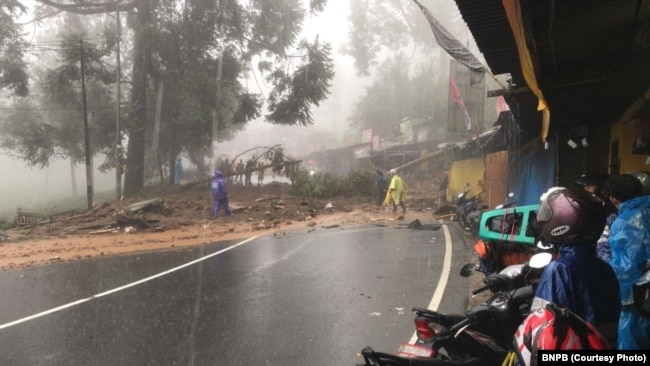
[396,191]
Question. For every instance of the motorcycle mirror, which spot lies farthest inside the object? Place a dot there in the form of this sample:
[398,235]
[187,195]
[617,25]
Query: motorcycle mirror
[544,246]
[468,269]
[540,260]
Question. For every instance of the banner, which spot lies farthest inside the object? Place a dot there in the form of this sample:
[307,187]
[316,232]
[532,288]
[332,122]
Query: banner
[457,98]
[449,43]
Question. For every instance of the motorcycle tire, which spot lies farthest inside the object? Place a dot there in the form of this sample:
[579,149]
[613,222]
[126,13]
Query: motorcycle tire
[464,222]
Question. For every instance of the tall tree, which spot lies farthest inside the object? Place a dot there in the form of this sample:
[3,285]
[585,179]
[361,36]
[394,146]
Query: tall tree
[54,129]
[267,29]
[393,41]
[13,69]
[382,28]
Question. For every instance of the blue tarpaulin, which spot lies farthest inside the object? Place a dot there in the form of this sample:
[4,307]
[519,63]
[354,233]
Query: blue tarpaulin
[533,173]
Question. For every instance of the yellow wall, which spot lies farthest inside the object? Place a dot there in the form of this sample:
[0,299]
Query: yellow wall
[470,171]
[625,132]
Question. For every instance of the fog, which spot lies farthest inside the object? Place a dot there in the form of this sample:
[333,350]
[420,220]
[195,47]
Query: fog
[28,188]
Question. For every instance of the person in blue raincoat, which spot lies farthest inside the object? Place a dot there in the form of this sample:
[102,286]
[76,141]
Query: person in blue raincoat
[578,280]
[629,242]
[219,194]
[178,169]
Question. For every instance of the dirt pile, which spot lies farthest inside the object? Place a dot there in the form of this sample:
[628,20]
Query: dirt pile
[174,216]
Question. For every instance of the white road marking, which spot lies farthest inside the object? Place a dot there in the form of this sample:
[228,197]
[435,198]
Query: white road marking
[117,289]
[442,282]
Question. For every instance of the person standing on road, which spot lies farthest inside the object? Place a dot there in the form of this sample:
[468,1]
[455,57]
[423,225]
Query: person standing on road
[226,169]
[396,191]
[248,173]
[382,186]
[260,175]
[578,280]
[630,250]
[239,170]
[219,195]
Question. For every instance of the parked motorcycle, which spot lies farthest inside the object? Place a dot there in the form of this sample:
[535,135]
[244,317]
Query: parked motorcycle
[468,213]
[483,335]
[507,235]
[509,202]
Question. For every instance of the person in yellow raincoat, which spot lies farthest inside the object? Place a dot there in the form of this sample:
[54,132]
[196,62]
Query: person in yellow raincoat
[396,191]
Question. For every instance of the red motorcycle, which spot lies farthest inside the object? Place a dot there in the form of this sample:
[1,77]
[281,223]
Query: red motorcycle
[483,335]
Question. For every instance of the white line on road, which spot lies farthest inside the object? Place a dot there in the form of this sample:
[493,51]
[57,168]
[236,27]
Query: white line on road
[117,289]
[442,282]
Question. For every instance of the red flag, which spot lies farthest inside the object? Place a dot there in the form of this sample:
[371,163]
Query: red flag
[458,100]
[502,106]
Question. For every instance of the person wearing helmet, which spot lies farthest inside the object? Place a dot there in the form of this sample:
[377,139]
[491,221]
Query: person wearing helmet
[578,280]
[396,191]
[630,246]
[593,182]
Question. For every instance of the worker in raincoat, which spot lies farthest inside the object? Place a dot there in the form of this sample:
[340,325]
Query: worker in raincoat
[219,194]
[397,190]
[630,250]
[578,280]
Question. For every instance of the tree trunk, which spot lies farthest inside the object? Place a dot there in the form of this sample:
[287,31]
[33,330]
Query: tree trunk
[73,178]
[134,177]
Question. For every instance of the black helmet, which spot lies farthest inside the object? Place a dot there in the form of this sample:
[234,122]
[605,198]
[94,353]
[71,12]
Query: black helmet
[571,216]
[644,178]
[596,180]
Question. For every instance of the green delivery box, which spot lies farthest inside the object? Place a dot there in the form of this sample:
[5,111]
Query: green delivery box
[513,224]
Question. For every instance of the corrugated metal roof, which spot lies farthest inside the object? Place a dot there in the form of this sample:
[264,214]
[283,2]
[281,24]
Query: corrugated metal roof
[592,57]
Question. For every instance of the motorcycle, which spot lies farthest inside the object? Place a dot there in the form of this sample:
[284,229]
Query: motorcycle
[483,335]
[468,213]
[509,202]
[507,235]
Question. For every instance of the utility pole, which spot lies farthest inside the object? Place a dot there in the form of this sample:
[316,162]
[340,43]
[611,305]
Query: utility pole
[217,111]
[118,136]
[89,164]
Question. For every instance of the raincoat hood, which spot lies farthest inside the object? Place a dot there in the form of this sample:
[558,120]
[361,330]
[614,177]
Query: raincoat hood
[634,203]
[218,174]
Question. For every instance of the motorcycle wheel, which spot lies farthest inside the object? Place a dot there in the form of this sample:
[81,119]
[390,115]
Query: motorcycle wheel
[464,222]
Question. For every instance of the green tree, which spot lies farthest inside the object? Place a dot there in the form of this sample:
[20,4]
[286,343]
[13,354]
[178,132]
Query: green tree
[13,69]
[393,41]
[181,45]
[379,29]
[50,125]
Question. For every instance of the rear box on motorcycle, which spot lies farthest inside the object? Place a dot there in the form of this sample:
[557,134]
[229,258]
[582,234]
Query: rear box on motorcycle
[513,224]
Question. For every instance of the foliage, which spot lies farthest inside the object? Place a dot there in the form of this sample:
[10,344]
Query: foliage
[5,223]
[361,182]
[395,94]
[292,97]
[380,27]
[38,137]
[328,185]
[394,39]
[25,135]
[13,69]
[197,54]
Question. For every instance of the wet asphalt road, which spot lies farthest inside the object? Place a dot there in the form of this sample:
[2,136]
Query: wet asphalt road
[312,298]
